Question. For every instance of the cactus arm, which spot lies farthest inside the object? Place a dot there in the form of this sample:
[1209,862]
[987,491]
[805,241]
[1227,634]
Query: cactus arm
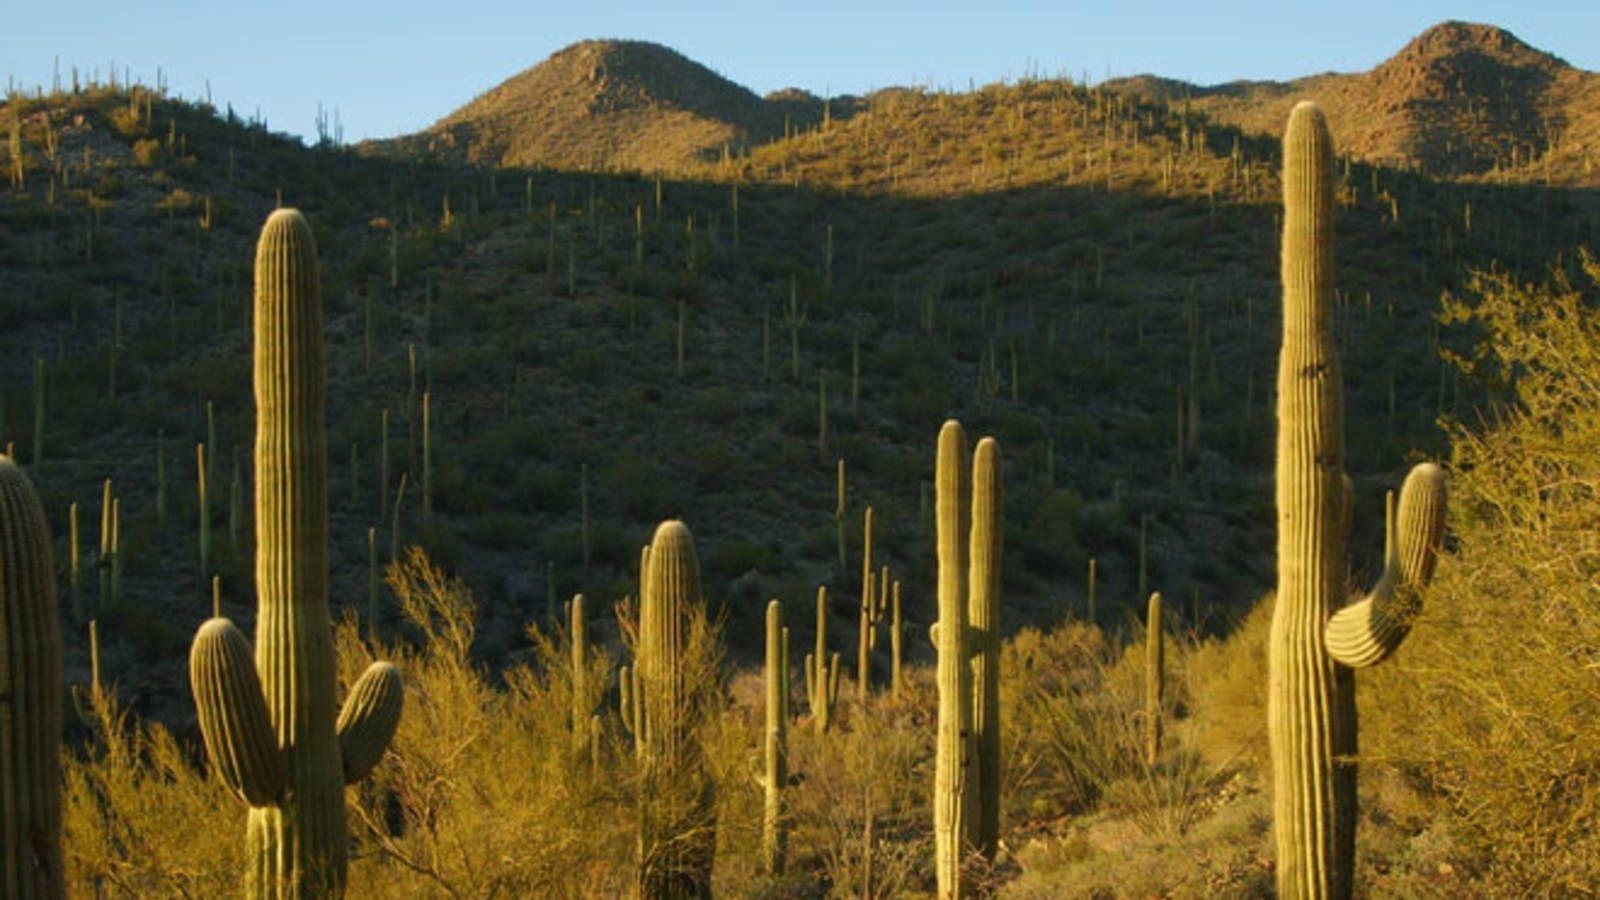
[234,723]
[1366,632]
[369,718]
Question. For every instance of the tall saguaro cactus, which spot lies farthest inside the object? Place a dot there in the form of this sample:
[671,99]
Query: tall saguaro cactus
[677,838]
[30,696]
[269,727]
[1311,712]
[966,778]
[953,749]
[983,643]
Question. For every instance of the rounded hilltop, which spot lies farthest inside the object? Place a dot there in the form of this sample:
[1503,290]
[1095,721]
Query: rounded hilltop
[608,104]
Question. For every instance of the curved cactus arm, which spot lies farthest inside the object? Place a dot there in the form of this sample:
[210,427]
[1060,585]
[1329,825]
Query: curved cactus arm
[1421,525]
[234,722]
[1366,632]
[369,718]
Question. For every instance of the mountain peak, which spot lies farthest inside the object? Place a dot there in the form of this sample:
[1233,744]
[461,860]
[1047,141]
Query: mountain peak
[1491,42]
[604,104]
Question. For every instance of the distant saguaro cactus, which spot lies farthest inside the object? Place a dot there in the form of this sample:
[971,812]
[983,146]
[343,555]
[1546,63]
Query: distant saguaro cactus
[1154,666]
[269,725]
[30,697]
[1311,711]
[822,671]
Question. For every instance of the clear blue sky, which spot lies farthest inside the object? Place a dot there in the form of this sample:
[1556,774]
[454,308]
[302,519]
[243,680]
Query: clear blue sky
[395,67]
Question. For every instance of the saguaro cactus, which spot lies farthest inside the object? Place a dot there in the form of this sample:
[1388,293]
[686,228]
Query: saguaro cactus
[677,837]
[1154,666]
[30,696]
[269,727]
[983,643]
[953,750]
[775,744]
[1311,713]
[822,671]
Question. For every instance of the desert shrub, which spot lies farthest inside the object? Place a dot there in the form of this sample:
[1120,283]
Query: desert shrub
[486,789]
[867,783]
[146,152]
[1227,683]
[139,819]
[1491,703]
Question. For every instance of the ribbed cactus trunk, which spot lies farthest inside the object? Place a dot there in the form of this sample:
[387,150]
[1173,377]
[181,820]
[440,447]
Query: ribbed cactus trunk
[775,745]
[953,749]
[983,643]
[297,847]
[677,837]
[30,697]
[1311,705]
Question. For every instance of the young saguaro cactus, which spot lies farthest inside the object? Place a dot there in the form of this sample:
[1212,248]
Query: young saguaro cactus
[1311,712]
[269,726]
[30,688]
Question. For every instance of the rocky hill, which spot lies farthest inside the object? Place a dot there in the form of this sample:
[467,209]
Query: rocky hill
[606,105]
[1459,99]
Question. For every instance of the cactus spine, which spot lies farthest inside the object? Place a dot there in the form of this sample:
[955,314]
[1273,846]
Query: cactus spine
[277,714]
[775,745]
[1311,712]
[1154,665]
[953,751]
[30,683]
[677,832]
[983,643]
